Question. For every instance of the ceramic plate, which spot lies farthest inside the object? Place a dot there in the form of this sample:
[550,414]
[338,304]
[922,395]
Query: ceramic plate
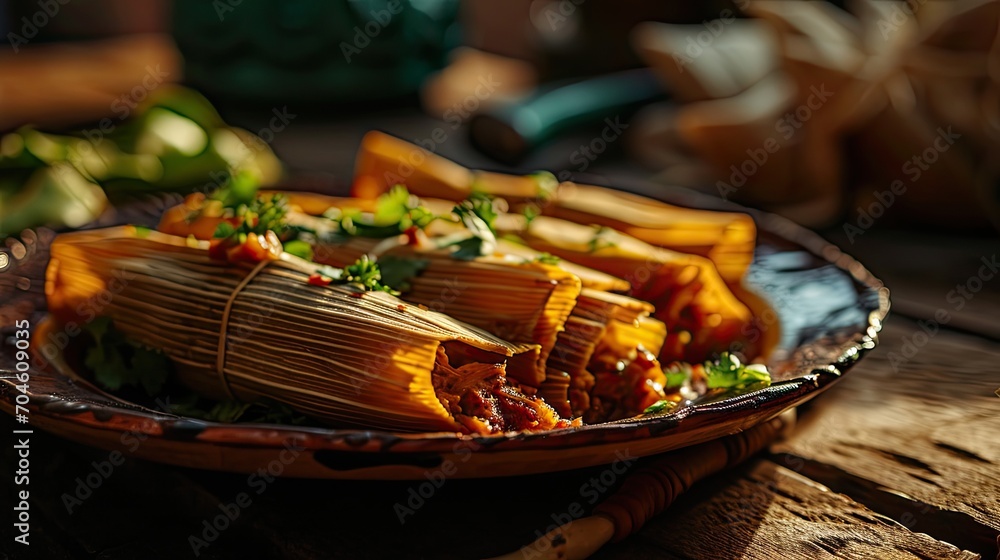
[829,307]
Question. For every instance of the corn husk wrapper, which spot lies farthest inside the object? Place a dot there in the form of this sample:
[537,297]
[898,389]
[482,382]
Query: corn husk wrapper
[701,312]
[523,302]
[726,238]
[603,330]
[335,353]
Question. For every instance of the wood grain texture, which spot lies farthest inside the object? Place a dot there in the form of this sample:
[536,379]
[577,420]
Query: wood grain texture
[769,511]
[927,427]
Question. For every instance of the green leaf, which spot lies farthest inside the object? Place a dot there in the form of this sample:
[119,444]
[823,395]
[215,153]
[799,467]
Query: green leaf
[604,238]
[660,406]
[530,212]
[224,229]
[299,248]
[478,215]
[677,375]
[98,328]
[392,206]
[395,212]
[109,370]
[469,249]
[481,205]
[547,184]
[422,217]
[367,273]
[729,373]
[397,271]
[546,258]
[241,189]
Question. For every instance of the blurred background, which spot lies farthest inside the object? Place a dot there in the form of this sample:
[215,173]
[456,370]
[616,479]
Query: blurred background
[847,117]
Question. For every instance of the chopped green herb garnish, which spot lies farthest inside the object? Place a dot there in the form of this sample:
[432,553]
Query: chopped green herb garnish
[299,248]
[392,206]
[530,212]
[478,216]
[729,373]
[256,218]
[397,271]
[421,217]
[365,272]
[240,190]
[604,237]
[546,258]
[224,229]
[482,206]
[677,375]
[395,212]
[660,406]
[547,184]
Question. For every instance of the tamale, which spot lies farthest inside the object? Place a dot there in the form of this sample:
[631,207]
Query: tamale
[726,238]
[517,300]
[337,353]
[608,351]
[701,313]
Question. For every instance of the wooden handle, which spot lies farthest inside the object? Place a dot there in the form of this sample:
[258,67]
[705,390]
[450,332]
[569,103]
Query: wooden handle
[647,492]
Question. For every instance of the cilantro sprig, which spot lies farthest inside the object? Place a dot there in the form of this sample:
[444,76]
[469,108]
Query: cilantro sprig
[365,272]
[547,184]
[478,214]
[547,258]
[395,212]
[257,217]
[729,373]
[660,406]
[604,238]
[677,375]
[397,271]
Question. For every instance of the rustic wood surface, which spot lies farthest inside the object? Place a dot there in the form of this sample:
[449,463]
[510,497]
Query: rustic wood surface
[895,461]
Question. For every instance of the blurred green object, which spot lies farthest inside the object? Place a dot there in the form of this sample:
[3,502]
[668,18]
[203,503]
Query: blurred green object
[175,141]
[313,51]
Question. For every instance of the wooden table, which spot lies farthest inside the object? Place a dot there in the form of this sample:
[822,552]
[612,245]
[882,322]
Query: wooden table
[901,459]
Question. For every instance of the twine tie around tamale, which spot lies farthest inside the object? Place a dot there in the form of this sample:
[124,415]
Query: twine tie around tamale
[220,359]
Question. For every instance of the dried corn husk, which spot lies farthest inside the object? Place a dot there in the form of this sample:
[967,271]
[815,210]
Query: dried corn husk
[701,313]
[606,332]
[517,300]
[725,238]
[337,353]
